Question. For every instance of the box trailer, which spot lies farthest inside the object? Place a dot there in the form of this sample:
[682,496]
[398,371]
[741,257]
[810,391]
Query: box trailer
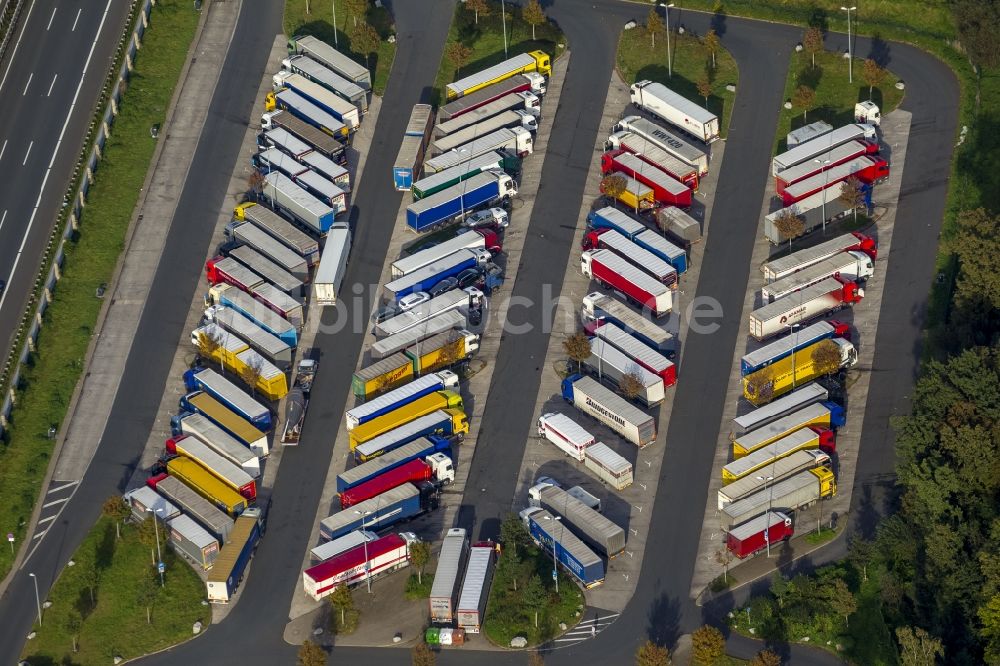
[146,502]
[868,170]
[609,239]
[401,503]
[435,381]
[826,161]
[413,471]
[237,327]
[666,189]
[587,395]
[609,467]
[286,142]
[280,303]
[207,514]
[784,347]
[467,298]
[653,154]
[550,534]
[798,369]
[296,104]
[640,234]
[245,433]
[471,609]
[359,565]
[814,211]
[532,61]
[267,269]
[678,225]
[820,299]
[812,149]
[286,258]
[442,180]
[418,449]
[815,437]
[329,79]
[610,270]
[796,261]
[607,361]
[398,342]
[783,406]
[223,270]
[272,159]
[428,404]
[333,264]
[256,312]
[280,229]
[381,376]
[330,57]
[756,535]
[568,436]
[796,492]
[807,133]
[230,395]
[203,482]
[451,204]
[423,279]
[595,529]
[447,576]
[442,351]
[529,82]
[311,211]
[406,168]
[665,139]
[215,463]
[516,101]
[506,119]
[476,239]
[231,564]
[193,541]
[316,138]
[349,541]
[516,140]
[661,247]
[635,195]
[825,414]
[329,169]
[676,109]
[599,308]
[853,266]
[442,423]
[799,461]
[638,351]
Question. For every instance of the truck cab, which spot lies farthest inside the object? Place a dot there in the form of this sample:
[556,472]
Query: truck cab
[537,82]
[867,113]
[442,468]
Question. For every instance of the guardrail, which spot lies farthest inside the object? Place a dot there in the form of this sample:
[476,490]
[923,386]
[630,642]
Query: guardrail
[67,222]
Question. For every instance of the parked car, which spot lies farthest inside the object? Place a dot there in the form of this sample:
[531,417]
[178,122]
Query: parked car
[410,301]
[489,217]
[386,312]
[444,285]
[469,277]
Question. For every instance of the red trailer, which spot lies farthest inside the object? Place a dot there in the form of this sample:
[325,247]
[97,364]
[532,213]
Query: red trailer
[666,189]
[415,471]
[828,160]
[868,170]
[229,271]
[639,287]
[754,535]
[654,156]
[611,239]
[381,556]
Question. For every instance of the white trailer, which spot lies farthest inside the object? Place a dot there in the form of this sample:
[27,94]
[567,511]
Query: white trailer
[638,255]
[821,298]
[307,209]
[451,300]
[399,341]
[609,467]
[325,551]
[267,269]
[526,101]
[587,395]
[278,252]
[192,541]
[514,139]
[510,118]
[825,205]
[639,351]
[812,149]
[145,502]
[197,426]
[444,589]
[786,404]
[598,306]
[605,360]
[311,113]
[248,333]
[207,514]
[807,133]
[566,434]
[323,189]
[796,261]
[332,58]
[281,229]
[332,264]
[799,461]
[329,79]
[475,588]
[273,159]
[676,110]
[286,142]
[666,140]
[854,266]
[469,240]
[329,169]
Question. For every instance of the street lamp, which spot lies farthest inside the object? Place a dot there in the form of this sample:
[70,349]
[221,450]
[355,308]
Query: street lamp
[555,563]
[368,579]
[795,327]
[826,184]
[670,65]
[767,540]
[335,44]
[850,52]
[38,601]
[503,21]
[156,531]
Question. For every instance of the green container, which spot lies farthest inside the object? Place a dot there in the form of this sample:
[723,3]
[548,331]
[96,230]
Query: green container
[432,636]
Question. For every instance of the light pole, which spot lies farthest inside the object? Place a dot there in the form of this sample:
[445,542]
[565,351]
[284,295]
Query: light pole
[368,578]
[670,64]
[826,184]
[503,21]
[850,51]
[794,327]
[38,601]
[767,541]
[156,532]
[555,563]
[335,44]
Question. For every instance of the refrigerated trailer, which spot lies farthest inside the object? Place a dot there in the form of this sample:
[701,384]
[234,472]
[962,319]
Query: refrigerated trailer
[349,541]
[255,311]
[447,576]
[332,265]
[475,590]
[358,565]
[332,58]
[329,169]
[665,139]
[145,502]
[609,467]
[280,303]
[280,229]
[587,395]
[193,541]
[566,434]
[810,150]
[813,211]
[308,210]
[820,299]
[641,288]
[676,109]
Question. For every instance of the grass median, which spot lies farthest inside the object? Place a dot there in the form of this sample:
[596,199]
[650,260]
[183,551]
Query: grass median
[50,376]
[100,604]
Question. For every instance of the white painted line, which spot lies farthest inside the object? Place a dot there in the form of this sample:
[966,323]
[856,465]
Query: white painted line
[50,19]
[39,535]
[3,149]
[54,502]
[76,19]
[45,520]
[62,487]
[27,153]
[52,85]
[14,52]
[2,219]
[30,76]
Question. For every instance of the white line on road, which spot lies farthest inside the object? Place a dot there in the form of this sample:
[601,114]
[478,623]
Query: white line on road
[30,76]
[62,487]
[2,219]
[45,520]
[38,536]
[54,502]
[73,29]
[50,19]
[27,153]
[52,85]
[3,149]
[14,53]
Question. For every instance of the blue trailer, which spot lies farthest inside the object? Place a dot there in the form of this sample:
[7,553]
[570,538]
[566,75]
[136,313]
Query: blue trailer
[424,278]
[391,507]
[444,422]
[448,204]
[259,314]
[396,398]
[791,343]
[417,449]
[230,395]
[303,109]
[579,560]
[663,248]
[640,234]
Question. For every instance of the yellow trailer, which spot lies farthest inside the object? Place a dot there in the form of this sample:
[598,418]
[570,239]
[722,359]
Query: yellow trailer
[203,482]
[389,373]
[442,351]
[635,195]
[533,61]
[823,414]
[237,357]
[797,369]
[401,416]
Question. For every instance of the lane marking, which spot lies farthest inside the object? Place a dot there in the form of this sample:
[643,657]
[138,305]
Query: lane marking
[52,85]
[54,502]
[27,153]
[50,18]
[39,535]
[73,29]
[30,76]
[3,149]
[63,487]
[45,520]
[2,219]
[10,62]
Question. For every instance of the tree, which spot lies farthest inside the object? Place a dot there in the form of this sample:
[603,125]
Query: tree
[342,600]
[852,195]
[577,347]
[533,15]
[535,659]
[458,54]
[760,386]
[765,658]
[513,534]
[72,623]
[145,591]
[842,600]
[989,617]
[978,25]
[917,647]
[210,342]
[149,531]
[478,7]
[804,98]
[89,576]
[255,184]
[651,654]
[420,554]
[873,74]
[724,556]
[534,597]
[713,44]
[118,510]
[654,26]
[252,371]
[421,655]
[631,384]
[357,8]
[708,645]
[704,87]
[613,185]
[861,552]
[789,225]
[826,357]
[976,243]
[365,40]
[812,42]
[311,654]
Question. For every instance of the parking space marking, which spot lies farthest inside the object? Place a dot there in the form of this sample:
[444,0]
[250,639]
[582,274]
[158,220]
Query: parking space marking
[30,76]
[52,85]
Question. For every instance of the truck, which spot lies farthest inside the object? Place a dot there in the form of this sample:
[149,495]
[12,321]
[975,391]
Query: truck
[272,159]
[666,189]
[529,82]
[413,471]
[596,530]
[550,534]
[515,140]
[280,229]
[423,279]
[635,195]
[201,428]
[647,357]
[237,356]
[827,414]
[330,57]
[515,101]
[444,423]
[854,266]
[669,161]
[834,157]
[609,467]
[428,404]
[247,333]
[409,159]
[391,507]
[820,299]
[814,211]
[474,239]
[435,381]
[448,576]
[640,234]
[327,168]
[432,450]
[660,136]
[358,565]
[387,374]
[349,541]
[796,492]
[296,104]
[314,213]
[297,401]
[868,170]
[200,402]
[676,109]
[779,470]
[797,369]
[279,303]
[757,534]
[812,149]
[512,118]
[202,510]
[231,564]
[451,204]
[192,541]
[203,482]
[532,61]
[329,79]
[801,338]
[792,402]
[442,351]
[333,264]
[475,591]
[217,465]
[814,437]
[223,390]
[442,180]
[796,261]
[467,299]
[286,143]
[598,308]
[607,361]
[568,436]
[611,271]
[398,342]
[807,133]
[313,136]
[266,268]
[229,271]
[609,239]
[341,109]
[587,395]
[255,311]
[286,258]
[145,502]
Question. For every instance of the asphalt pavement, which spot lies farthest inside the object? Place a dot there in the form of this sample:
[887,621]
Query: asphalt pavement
[50,81]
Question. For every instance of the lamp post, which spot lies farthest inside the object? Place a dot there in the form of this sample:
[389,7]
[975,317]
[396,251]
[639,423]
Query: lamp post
[767,541]
[368,578]
[156,532]
[555,563]
[826,184]
[503,21]
[38,601]
[335,44]
[670,65]
[850,51]
[794,327]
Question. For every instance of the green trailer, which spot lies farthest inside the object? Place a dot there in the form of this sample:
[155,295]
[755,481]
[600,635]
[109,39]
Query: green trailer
[454,175]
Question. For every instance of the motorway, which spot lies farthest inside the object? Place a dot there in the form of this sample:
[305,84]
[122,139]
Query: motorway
[661,608]
[51,79]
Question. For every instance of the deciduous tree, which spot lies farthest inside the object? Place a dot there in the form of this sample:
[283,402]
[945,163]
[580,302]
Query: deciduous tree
[852,195]
[873,74]
[842,600]
[210,342]
[252,371]
[654,26]
[311,654]
[458,55]
[533,15]
[365,40]
[146,590]
[255,184]
[789,225]
[724,556]
[613,185]
[477,7]
[826,357]
[708,645]
[534,598]
[357,8]
[421,655]
[804,98]
[917,647]
[118,510]
[765,658]
[713,44]
[420,555]
[760,386]
[577,347]
[651,654]
[812,42]
[72,622]
[976,243]
[704,87]
[342,600]
[978,23]
[861,553]
[631,384]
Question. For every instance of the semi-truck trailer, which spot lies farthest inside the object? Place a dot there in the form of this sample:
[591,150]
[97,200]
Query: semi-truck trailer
[757,534]
[223,390]
[635,195]
[653,154]
[401,341]
[612,218]
[200,402]
[436,381]
[246,332]
[333,264]
[815,437]
[391,507]
[797,369]
[384,375]
[515,140]
[510,118]
[607,361]
[406,168]
[329,79]
[568,436]
[451,204]
[280,303]
[587,395]
[666,189]
[315,214]
[285,141]
[229,271]
[423,279]
[231,564]
[403,414]
[475,591]
[811,150]
[421,448]
[255,311]
[442,351]
[467,298]
[772,411]
[329,169]
[609,239]
[516,101]
[820,299]
[360,564]
[286,258]
[781,469]
[316,138]
[580,561]
[659,135]
[599,308]
[529,82]
[676,109]
[202,510]
[266,268]
[638,351]
[216,464]
[825,414]
[641,156]
[193,541]
[595,529]
[442,423]
[853,266]
[204,483]
[442,180]
[200,427]
[296,104]
[349,541]
[796,261]
[609,467]
[272,159]
[475,239]
[868,170]
[447,576]
[341,109]
[280,229]
[828,160]
[145,502]
[807,133]
[532,61]
[638,233]
[641,288]
[330,57]
[814,211]
[413,471]
[794,493]
[678,225]
[797,340]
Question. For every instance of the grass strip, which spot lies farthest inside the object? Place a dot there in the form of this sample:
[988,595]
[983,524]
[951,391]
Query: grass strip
[50,376]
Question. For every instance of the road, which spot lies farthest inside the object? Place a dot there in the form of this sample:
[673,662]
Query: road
[50,81]
[660,608]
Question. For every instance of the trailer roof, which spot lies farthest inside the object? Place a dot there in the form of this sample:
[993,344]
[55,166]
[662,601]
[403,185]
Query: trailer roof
[429,271]
[204,511]
[474,587]
[420,116]
[838,154]
[434,343]
[783,305]
[276,297]
[795,259]
[758,524]
[633,347]
[394,396]
[308,89]
[379,368]
[632,319]
[449,563]
[321,184]
[632,273]
[626,410]
[568,428]
[409,337]
[231,392]
[267,269]
[495,140]
[266,316]
[256,237]
[826,196]
[519,61]
[230,342]
[376,444]
[408,450]
[314,113]
[630,161]
[610,355]
[480,113]
[782,426]
[480,162]
[607,458]
[325,551]
[240,273]
[786,286]
[335,251]
[326,76]
[475,99]
[323,51]
[153,501]
[834,174]
[786,344]
[302,198]
[798,461]
[482,128]
[774,494]
[628,224]
[323,165]
[268,370]
[778,449]
[232,549]
[595,526]
[251,332]
[660,244]
[808,132]
[679,102]
[191,531]
[287,141]
[218,465]
[438,198]
[802,397]
[270,221]
[423,312]
[654,153]
[821,144]
[565,538]
[344,518]
[638,255]
[666,139]
[276,159]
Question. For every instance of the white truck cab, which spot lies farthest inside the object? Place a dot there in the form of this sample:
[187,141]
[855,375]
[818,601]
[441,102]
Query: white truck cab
[867,113]
[442,467]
